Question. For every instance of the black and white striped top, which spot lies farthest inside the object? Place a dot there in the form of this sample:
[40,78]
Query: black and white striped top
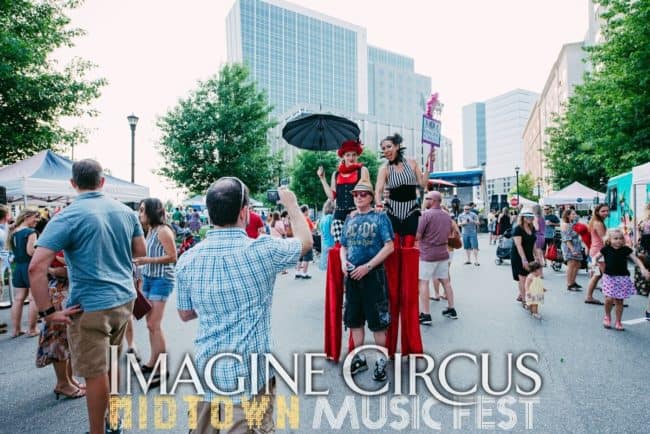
[155,249]
[400,182]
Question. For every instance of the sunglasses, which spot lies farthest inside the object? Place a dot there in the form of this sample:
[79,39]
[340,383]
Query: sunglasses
[428,198]
[361,193]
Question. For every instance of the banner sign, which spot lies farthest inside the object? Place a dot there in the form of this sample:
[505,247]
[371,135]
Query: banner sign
[430,131]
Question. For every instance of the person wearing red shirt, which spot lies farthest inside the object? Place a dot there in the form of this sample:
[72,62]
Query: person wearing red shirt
[255,226]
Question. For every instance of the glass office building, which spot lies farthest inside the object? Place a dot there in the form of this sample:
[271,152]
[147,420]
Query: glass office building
[299,56]
[395,92]
[474,135]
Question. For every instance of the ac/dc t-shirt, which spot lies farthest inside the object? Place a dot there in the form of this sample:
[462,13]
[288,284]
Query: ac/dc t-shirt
[364,235]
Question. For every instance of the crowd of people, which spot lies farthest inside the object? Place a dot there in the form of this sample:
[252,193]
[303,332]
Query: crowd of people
[371,237]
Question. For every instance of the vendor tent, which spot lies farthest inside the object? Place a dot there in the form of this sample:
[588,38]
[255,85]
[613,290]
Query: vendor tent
[197,202]
[45,178]
[525,202]
[575,193]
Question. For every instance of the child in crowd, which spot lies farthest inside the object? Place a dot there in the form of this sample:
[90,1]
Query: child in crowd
[534,289]
[617,284]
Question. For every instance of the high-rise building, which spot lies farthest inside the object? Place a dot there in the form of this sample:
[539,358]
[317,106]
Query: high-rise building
[299,56]
[474,135]
[505,118]
[567,72]
[307,61]
[444,156]
[395,92]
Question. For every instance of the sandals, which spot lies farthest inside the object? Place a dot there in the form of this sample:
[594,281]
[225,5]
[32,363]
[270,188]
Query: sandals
[607,322]
[79,393]
[619,327]
[594,301]
[434,298]
[17,335]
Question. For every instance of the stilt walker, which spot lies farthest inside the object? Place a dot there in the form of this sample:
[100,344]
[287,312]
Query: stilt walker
[340,189]
[400,178]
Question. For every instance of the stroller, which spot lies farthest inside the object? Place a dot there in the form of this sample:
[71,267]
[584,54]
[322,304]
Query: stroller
[504,246]
[558,261]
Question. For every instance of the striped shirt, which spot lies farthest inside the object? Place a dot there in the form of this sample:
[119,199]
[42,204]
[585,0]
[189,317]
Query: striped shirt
[155,249]
[228,280]
[397,179]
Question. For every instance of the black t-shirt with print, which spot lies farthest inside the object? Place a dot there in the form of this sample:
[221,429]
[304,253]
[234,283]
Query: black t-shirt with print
[616,260]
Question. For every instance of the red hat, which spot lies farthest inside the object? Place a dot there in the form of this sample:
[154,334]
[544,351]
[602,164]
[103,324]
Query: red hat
[350,146]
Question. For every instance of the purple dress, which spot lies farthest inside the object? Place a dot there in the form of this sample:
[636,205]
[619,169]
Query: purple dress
[195,222]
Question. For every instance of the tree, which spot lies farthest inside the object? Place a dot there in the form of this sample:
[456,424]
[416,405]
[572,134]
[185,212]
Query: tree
[306,184]
[526,187]
[606,128]
[35,92]
[220,129]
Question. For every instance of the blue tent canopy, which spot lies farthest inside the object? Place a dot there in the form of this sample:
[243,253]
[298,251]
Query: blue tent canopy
[462,178]
[45,177]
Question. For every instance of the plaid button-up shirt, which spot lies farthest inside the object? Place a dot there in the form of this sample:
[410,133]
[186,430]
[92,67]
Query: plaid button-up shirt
[228,281]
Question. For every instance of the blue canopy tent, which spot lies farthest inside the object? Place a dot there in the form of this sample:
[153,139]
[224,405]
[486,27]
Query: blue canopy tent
[462,178]
[45,178]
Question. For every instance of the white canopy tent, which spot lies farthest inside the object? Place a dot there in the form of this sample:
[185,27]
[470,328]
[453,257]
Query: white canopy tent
[525,202]
[45,179]
[574,194]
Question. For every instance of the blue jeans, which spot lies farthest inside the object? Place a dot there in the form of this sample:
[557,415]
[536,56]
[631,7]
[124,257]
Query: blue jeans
[157,288]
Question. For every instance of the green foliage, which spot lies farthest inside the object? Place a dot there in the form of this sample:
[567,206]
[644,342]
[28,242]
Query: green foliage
[36,92]
[606,128]
[527,187]
[219,130]
[305,182]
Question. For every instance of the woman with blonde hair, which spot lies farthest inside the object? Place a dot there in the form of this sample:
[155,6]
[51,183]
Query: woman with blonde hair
[21,240]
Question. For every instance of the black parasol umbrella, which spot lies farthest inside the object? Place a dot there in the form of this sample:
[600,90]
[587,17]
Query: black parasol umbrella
[319,132]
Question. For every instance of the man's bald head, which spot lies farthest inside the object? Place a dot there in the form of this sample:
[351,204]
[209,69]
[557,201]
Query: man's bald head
[436,198]
[225,199]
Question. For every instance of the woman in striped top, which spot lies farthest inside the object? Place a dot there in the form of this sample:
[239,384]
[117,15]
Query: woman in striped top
[157,271]
[401,176]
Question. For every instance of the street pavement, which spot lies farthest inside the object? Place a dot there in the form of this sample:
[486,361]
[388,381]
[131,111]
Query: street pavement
[593,380]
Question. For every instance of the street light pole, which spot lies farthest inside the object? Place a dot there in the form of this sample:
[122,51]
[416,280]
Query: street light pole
[517,175]
[133,121]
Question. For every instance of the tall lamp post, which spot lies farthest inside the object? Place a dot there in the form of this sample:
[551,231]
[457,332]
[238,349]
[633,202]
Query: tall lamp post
[517,176]
[539,188]
[133,121]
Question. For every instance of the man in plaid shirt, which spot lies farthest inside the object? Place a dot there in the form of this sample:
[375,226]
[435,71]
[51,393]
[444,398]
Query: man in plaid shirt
[227,281]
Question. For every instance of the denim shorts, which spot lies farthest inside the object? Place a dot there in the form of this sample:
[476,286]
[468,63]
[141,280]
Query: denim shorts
[157,288]
[470,242]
